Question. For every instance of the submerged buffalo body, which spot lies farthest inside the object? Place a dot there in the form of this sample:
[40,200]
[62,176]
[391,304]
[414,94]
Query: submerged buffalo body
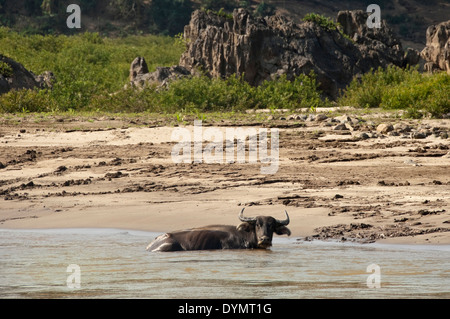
[253,232]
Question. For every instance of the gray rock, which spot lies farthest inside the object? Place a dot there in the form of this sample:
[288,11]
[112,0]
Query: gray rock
[343,119]
[321,117]
[364,136]
[20,78]
[138,68]
[350,126]
[45,80]
[413,57]
[340,127]
[411,162]
[418,135]
[384,128]
[402,128]
[265,48]
[437,50]
[140,76]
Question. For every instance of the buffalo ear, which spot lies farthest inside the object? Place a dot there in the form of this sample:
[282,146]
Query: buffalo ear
[282,230]
[244,226]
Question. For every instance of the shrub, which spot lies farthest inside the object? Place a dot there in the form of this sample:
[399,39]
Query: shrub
[420,94]
[281,93]
[202,94]
[26,100]
[5,69]
[324,22]
[264,9]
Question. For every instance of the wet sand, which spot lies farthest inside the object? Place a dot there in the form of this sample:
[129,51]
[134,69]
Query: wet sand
[350,184]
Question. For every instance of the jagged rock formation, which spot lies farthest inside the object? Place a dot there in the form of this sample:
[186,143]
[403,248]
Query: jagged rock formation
[264,48]
[378,46]
[13,75]
[437,51]
[140,75]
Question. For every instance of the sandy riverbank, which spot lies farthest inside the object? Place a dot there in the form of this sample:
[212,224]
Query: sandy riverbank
[118,173]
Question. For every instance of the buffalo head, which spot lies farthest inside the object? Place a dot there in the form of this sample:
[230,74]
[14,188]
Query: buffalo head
[263,227]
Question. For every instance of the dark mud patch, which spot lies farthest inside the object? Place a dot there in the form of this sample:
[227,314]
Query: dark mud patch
[367,233]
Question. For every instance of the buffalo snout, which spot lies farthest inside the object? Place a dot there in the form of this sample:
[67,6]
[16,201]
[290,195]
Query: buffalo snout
[264,242]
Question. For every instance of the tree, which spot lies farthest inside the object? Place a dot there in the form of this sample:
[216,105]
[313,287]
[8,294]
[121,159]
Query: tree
[50,7]
[170,16]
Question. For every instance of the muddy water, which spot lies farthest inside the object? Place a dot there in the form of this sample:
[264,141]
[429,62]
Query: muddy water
[114,264]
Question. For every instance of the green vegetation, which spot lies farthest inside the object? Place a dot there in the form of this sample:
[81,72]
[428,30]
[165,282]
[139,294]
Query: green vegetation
[5,69]
[85,65]
[122,17]
[419,94]
[264,9]
[91,72]
[220,13]
[224,8]
[202,94]
[324,22]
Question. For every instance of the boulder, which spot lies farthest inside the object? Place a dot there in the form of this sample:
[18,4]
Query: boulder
[412,57]
[45,80]
[140,75]
[138,68]
[385,128]
[437,50]
[13,75]
[265,48]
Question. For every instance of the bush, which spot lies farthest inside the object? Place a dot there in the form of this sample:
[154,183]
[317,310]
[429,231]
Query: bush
[407,89]
[322,21]
[301,92]
[26,100]
[264,9]
[5,69]
[202,94]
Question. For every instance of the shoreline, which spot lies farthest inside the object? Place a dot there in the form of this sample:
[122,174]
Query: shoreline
[100,172]
[296,240]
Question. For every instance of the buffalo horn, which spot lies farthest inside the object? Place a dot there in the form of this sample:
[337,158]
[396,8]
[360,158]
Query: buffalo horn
[284,222]
[245,219]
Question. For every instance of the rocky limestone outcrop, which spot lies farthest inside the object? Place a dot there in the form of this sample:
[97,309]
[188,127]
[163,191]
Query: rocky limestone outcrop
[140,75]
[13,75]
[437,50]
[265,48]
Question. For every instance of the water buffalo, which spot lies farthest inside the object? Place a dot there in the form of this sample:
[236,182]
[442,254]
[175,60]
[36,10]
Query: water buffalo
[253,232]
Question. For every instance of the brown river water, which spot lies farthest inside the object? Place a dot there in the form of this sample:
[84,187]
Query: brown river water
[113,263]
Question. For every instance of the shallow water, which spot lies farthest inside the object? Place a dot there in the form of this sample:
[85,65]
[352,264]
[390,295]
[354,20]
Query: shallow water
[114,264]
